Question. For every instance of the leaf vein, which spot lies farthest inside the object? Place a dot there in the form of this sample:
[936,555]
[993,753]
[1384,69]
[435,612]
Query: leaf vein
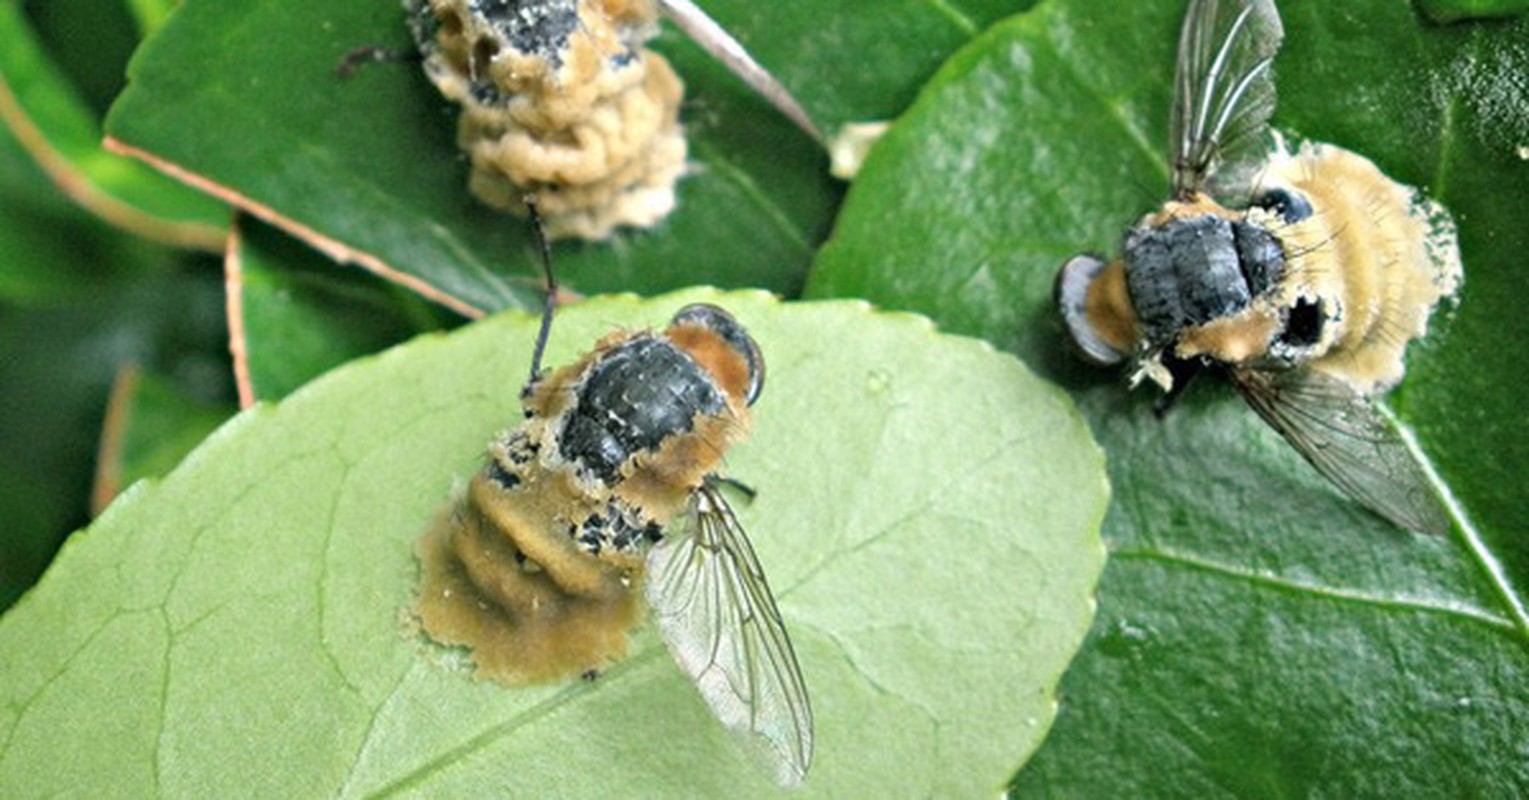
[1155,154]
[164,705]
[414,777]
[977,467]
[23,708]
[370,736]
[321,589]
[1351,596]
[1447,140]
[232,505]
[1469,534]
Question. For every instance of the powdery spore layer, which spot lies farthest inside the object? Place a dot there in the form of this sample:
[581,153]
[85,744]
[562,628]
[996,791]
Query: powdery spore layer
[561,102]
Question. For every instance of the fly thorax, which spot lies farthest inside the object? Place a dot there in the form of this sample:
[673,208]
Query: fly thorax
[533,27]
[1183,274]
[634,398]
[526,53]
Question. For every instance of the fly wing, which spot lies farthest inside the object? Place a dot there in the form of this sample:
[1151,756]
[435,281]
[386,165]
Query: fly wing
[1223,93]
[715,611]
[1340,432]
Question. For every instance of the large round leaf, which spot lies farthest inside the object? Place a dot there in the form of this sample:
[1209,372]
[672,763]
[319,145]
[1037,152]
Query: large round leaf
[927,513]
[1261,634]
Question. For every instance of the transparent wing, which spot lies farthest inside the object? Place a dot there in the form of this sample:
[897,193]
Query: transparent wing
[1223,92]
[1349,442]
[715,611]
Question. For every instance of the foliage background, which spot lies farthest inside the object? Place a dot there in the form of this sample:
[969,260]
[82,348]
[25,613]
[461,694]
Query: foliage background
[1257,634]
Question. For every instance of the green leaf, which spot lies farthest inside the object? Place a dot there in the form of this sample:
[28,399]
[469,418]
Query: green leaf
[51,250]
[247,101]
[57,364]
[151,424]
[47,251]
[58,128]
[296,318]
[246,97]
[22,183]
[1457,10]
[860,61]
[1260,634]
[88,43]
[150,15]
[927,514]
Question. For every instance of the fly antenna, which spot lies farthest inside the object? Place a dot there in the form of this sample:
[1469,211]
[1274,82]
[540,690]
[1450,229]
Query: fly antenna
[551,302]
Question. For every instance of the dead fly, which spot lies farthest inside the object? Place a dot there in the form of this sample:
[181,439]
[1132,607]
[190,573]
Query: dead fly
[609,493]
[563,101]
[1302,275]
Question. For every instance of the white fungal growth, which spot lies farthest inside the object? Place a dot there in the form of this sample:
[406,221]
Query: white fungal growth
[562,103]
[1376,248]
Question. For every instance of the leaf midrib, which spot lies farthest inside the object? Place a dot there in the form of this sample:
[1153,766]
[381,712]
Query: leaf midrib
[442,761]
[1326,592]
[1465,529]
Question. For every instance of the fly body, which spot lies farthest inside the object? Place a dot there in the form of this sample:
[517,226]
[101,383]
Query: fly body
[563,102]
[607,500]
[1302,273]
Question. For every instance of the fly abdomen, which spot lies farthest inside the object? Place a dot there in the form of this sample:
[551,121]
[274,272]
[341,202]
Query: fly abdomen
[560,101]
[638,395]
[1185,273]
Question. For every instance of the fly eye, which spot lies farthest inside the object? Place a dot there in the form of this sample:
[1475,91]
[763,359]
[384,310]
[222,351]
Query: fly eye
[1289,206]
[1072,286]
[718,321]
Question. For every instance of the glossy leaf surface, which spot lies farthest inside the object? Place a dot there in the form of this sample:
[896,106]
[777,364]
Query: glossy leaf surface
[246,100]
[1260,634]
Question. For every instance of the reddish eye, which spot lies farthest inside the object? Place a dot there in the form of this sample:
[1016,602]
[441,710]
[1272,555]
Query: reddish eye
[718,321]
[1072,297]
